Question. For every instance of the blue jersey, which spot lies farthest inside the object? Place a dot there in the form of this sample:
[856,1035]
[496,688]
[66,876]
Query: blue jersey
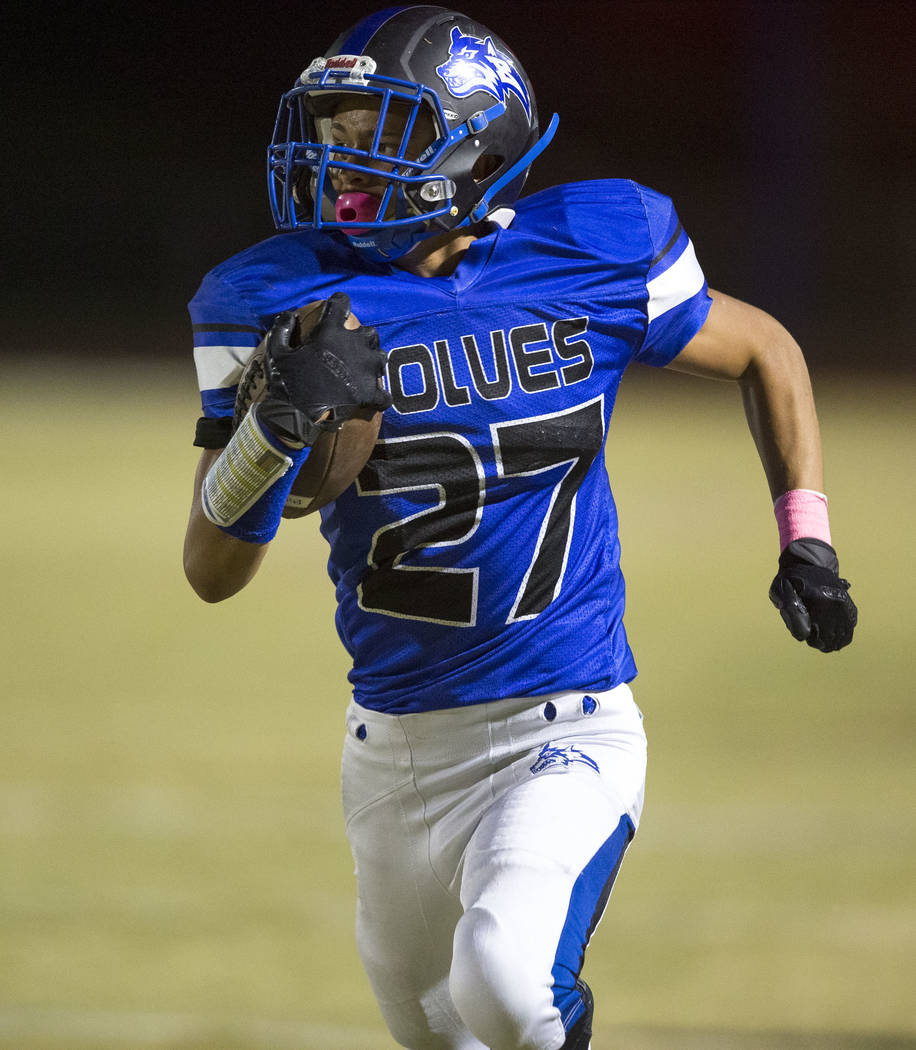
[476,556]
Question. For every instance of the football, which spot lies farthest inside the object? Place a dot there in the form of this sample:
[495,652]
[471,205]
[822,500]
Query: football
[338,455]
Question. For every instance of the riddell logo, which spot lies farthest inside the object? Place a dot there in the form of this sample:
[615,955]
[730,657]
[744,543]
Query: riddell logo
[340,67]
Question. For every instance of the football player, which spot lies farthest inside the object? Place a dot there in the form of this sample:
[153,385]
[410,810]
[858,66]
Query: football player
[494,758]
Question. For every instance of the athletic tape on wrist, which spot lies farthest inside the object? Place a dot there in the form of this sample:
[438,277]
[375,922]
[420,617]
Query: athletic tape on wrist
[801,513]
[247,468]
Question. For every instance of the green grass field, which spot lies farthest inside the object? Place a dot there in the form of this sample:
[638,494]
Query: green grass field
[173,868]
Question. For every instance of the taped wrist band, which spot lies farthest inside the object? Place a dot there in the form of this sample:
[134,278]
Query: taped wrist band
[248,466]
[801,514]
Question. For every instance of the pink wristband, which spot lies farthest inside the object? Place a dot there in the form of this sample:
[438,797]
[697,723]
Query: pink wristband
[800,513]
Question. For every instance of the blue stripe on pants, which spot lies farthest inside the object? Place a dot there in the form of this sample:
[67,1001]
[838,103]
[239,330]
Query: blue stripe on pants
[587,902]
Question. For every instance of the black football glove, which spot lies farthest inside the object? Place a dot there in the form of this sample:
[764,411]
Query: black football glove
[812,598]
[332,373]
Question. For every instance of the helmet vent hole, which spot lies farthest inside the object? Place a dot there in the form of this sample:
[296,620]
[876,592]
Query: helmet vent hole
[486,165]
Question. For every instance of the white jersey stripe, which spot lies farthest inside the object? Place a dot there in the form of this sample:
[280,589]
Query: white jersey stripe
[682,280]
[220,366]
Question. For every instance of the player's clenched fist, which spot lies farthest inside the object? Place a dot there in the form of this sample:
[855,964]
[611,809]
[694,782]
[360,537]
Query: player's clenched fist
[812,598]
[317,384]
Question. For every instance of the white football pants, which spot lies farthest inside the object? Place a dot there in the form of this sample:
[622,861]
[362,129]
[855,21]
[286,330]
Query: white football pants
[486,842]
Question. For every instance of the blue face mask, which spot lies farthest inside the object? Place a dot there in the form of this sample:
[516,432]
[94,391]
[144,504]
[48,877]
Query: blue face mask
[417,201]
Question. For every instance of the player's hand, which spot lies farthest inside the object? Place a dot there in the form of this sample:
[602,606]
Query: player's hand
[317,384]
[812,598]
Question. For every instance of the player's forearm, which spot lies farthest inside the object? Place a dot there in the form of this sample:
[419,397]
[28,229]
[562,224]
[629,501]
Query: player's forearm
[779,405]
[216,565]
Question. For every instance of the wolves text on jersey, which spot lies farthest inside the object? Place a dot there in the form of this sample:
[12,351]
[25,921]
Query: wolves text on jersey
[533,356]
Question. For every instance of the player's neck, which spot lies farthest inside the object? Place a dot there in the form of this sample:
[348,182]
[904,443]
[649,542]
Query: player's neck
[438,256]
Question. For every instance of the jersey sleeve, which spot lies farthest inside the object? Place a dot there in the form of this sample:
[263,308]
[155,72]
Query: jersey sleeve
[226,332]
[678,298]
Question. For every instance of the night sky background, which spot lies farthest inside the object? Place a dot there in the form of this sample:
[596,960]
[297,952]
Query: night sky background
[783,131]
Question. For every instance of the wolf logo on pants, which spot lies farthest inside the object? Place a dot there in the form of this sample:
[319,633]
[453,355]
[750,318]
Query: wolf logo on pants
[562,757]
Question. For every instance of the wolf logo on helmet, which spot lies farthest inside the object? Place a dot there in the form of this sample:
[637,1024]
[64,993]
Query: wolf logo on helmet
[478,65]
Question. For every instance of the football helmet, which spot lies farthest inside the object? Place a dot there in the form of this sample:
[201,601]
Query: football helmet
[447,92]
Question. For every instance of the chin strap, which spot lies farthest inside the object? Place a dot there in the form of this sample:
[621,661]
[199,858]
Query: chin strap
[517,168]
[385,249]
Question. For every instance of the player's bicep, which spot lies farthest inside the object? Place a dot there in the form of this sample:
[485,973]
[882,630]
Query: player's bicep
[730,338]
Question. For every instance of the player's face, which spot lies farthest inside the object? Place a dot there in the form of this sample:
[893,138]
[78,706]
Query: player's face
[353,124]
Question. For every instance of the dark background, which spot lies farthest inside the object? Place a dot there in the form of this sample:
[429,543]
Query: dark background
[783,131]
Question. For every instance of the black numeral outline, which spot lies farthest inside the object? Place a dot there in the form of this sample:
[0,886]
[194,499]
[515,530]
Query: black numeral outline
[543,578]
[435,594]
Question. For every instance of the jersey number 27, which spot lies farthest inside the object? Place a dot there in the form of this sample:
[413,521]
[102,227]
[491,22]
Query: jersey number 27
[448,464]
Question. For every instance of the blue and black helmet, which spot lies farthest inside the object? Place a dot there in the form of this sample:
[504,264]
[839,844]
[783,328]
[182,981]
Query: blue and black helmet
[410,64]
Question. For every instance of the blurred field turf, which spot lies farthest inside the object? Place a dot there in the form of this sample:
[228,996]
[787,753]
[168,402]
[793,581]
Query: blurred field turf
[173,867]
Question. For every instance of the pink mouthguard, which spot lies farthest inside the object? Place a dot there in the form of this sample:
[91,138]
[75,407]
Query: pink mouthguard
[356,207]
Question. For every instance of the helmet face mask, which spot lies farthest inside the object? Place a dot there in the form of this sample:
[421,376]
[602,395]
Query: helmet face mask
[311,161]
[395,135]
[441,92]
